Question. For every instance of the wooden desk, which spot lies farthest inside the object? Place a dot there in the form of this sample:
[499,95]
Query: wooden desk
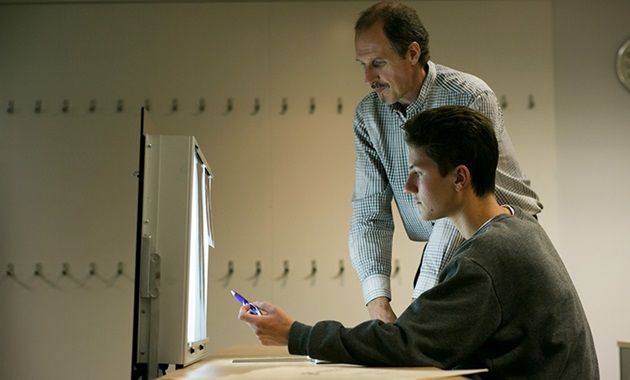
[266,363]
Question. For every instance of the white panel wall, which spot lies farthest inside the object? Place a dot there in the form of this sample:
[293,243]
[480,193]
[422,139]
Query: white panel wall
[593,131]
[283,180]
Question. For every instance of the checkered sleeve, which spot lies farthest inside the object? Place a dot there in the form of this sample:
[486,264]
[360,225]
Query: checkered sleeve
[442,245]
[372,225]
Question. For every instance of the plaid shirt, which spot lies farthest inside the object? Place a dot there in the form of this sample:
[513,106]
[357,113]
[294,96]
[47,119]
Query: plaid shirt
[381,170]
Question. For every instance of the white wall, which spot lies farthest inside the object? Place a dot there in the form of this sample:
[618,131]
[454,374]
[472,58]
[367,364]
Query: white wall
[283,181]
[593,130]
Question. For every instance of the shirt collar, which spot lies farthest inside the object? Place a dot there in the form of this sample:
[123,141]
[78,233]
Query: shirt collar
[420,103]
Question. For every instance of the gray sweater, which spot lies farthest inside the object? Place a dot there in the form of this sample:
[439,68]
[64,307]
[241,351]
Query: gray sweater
[504,302]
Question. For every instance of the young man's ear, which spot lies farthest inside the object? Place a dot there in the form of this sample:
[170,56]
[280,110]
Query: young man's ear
[462,177]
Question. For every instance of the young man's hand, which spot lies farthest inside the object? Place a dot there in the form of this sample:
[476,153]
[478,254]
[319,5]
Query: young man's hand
[271,328]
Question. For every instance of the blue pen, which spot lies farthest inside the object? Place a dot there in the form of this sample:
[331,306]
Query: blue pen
[253,309]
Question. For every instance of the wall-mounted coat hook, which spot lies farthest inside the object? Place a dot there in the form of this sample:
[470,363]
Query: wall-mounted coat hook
[174,105]
[202,105]
[65,272]
[396,268]
[313,270]
[11,107]
[311,108]
[257,272]
[10,270]
[119,106]
[531,103]
[504,102]
[92,107]
[39,273]
[256,106]
[92,269]
[341,270]
[120,269]
[285,106]
[38,106]
[230,271]
[65,106]
[285,270]
[147,104]
[229,107]
[339,105]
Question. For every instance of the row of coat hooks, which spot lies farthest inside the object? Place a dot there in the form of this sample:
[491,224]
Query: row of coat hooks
[64,271]
[119,107]
[201,106]
[92,270]
[285,270]
[283,274]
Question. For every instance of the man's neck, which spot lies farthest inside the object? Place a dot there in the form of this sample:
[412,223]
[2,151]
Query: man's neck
[476,214]
[418,78]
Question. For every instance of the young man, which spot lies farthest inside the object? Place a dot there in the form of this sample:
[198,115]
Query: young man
[392,46]
[504,302]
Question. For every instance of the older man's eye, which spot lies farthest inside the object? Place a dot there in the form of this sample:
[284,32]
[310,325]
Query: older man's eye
[378,63]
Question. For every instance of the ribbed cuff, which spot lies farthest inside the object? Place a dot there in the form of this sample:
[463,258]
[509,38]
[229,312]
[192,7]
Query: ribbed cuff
[298,338]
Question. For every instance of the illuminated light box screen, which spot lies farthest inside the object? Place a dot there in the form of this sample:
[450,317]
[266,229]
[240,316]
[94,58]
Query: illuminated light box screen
[175,236]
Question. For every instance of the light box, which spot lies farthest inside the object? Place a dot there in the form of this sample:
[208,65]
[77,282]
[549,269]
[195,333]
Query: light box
[174,239]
